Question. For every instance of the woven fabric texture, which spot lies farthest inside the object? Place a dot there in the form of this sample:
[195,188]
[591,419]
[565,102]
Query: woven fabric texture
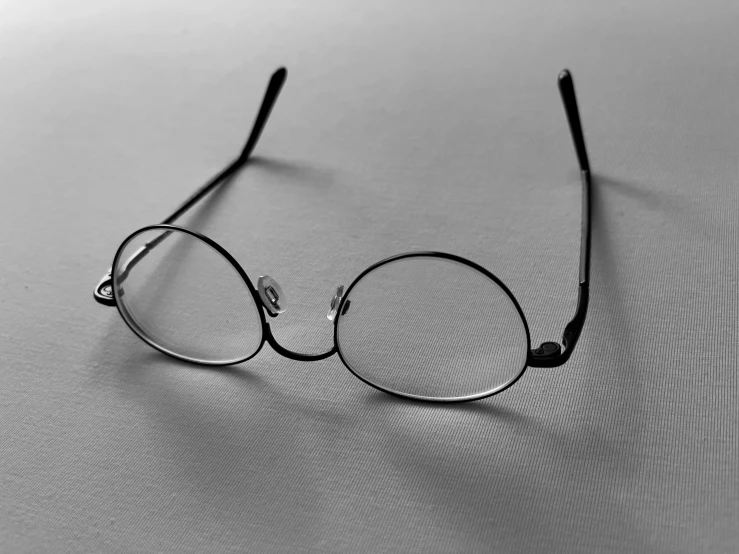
[402,126]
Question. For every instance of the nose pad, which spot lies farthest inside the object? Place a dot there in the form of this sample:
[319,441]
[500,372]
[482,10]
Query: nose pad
[331,315]
[272,296]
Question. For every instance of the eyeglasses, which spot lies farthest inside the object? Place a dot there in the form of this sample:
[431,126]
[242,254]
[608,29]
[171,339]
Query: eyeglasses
[421,325]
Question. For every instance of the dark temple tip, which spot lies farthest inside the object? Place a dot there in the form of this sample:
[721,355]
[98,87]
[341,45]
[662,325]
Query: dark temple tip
[273,88]
[567,91]
[270,97]
[280,75]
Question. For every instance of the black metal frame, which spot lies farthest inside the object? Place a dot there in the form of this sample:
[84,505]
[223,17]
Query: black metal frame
[548,354]
[267,335]
[446,256]
[551,354]
[104,290]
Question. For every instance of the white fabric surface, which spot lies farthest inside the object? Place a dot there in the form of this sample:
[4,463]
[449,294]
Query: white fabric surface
[402,126]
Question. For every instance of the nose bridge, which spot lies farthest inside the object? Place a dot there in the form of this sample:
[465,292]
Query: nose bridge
[273,300]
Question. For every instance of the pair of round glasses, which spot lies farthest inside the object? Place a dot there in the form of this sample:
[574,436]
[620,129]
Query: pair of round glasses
[399,326]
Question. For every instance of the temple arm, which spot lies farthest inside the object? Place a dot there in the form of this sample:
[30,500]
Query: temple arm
[104,290]
[551,354]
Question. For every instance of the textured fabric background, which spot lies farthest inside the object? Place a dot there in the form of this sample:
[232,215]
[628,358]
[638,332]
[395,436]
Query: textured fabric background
[402,126]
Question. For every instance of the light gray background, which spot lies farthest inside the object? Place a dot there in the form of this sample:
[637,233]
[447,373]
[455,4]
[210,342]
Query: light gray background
[402,126]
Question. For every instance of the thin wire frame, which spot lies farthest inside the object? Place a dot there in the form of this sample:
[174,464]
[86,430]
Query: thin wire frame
[548,354]
[267,335]
[217,248]
[444,256]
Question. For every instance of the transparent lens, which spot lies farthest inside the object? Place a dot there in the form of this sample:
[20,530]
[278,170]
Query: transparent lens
[433,328]
[182,296]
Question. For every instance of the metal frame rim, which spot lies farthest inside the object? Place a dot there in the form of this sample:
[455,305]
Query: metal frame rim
[228,257]
[459,259]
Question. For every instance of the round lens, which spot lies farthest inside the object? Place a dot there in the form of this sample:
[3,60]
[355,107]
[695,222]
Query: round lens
[432,327]
[185,298]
